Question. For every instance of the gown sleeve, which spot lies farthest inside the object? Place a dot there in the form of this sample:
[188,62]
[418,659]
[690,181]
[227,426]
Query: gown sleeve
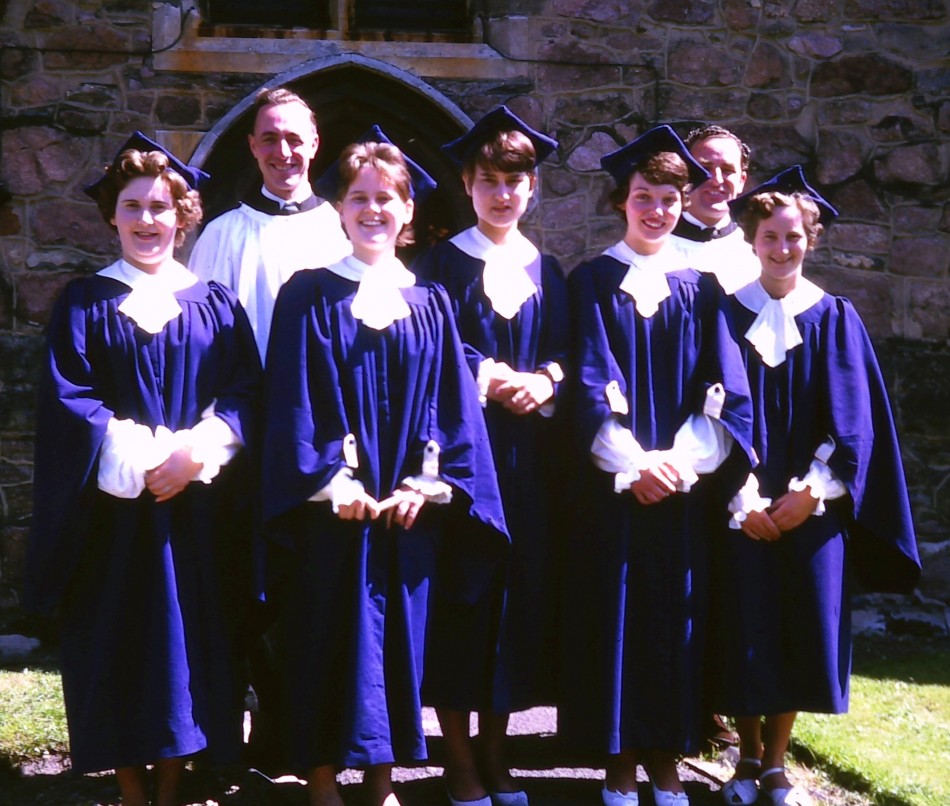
[867,457]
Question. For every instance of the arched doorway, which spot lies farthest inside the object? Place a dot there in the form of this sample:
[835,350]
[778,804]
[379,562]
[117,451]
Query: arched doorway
[348,94]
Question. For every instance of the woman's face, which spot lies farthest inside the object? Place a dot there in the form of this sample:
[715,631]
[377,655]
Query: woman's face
[651,212]
[499,198]
[147,221]
[780,244]
[373,215]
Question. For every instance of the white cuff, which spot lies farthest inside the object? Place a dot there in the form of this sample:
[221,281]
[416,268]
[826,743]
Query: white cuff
[700,446]
[745,501]
[434,488]
[824,484]
[213,444]
[127,451]
[342,490]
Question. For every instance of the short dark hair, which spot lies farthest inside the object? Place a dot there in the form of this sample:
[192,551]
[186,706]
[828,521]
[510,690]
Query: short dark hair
[276,96]
[708,132]
[662,168]
[387,160]
[762,205]
[132,164]
[508,151]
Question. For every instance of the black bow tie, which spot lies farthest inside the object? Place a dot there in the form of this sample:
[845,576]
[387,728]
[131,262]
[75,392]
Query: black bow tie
[692,232]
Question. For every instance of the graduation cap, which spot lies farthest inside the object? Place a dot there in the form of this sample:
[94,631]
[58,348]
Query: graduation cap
[420,186]
[621,163]
[500,119]
[138,141]
[791,180]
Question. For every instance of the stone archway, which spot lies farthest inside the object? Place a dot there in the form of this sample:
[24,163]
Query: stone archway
[348,94]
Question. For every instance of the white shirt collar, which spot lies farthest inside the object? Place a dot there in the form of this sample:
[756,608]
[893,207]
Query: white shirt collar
[378,301]
[774,332]
[283,202]
[645,280]
[512,271]
[151,303]
[725,221]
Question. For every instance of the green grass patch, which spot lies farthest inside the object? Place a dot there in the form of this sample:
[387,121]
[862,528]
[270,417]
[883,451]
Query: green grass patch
[33,718]
[894,743]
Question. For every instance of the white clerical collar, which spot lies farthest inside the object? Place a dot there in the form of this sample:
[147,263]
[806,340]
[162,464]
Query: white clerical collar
[774,332]
[378,301]
[645,280]
[151,303]
[512,271]
[283,202]
[725,221]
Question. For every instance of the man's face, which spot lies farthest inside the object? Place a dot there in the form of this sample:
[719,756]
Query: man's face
[284,142]
[722,157]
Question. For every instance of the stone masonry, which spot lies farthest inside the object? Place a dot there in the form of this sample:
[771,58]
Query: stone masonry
[856,90]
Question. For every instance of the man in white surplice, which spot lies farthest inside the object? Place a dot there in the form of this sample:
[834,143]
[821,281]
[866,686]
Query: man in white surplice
[280,228]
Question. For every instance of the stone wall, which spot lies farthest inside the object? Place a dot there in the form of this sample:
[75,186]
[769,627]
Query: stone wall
[857,90]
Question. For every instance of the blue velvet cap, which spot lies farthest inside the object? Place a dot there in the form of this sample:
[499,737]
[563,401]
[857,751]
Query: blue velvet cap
[138,141]
[421,184]
[621,163]
[791,180]
[500,119]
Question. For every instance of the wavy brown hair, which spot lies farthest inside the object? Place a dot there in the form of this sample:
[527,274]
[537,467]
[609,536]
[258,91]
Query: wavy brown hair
[133,164]
[762,205]
[662,168]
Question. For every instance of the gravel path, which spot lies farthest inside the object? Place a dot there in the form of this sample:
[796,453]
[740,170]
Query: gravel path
[549,778]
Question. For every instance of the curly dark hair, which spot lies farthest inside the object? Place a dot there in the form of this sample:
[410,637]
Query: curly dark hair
[762,205]
[132,164]
[662,168]
[708,132]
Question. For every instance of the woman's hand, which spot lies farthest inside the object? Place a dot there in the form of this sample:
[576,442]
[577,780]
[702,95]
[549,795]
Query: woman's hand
[362,507]
[793,509]
[524,392]
[655,483]
[759,526]
[405,508]
[172,475]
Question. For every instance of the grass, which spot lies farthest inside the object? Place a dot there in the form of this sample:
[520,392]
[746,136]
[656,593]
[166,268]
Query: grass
[894,743]
[33,723]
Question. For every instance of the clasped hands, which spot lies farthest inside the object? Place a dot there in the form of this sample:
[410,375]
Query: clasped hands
[401,508]
[789,511]
[519,392]
[169,478]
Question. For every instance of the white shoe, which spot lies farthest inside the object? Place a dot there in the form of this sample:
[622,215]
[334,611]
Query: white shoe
[612,798]
[796,796]
[742,791]
[664,798]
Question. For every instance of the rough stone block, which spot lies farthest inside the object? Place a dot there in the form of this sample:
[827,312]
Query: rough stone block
[95,46]
[859,200]
[739,15]
[586,157]
[10,223]
[816,45]
[913,165]
[876,10]
[615,12]
[841,155]
[767,68]
[928,303]
[765,106]
[851,75]
[843,111]
[72,224]
[35,91]
[34,156]
[701,65]
[816,10]
[36,293]
[690,12]
[915,219]
[178,110]
[859,237]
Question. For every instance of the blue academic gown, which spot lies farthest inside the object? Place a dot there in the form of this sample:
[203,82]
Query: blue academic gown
[781,610]
[354,598]
[148,594]
[636,577]
[528,454]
